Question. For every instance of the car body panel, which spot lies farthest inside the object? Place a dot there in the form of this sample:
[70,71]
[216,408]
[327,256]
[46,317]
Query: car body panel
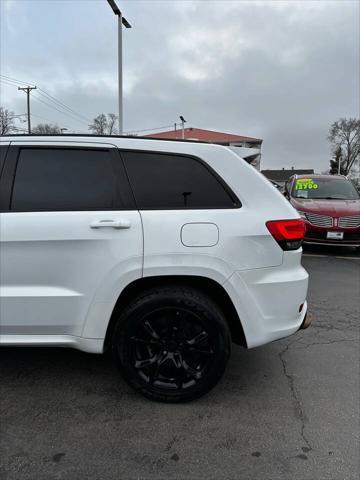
[53,263]
[60,279]
[333,208]
[266,313]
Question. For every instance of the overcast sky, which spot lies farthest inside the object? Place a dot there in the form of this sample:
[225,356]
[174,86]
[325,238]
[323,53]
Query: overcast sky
[278,70]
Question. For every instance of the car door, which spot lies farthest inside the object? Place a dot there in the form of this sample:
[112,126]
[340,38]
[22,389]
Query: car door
[68,222]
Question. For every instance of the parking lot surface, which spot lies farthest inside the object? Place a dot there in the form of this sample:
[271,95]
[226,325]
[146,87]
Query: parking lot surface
[288,410]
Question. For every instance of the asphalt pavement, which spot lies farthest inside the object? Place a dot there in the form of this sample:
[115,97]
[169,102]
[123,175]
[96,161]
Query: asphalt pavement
[288,410]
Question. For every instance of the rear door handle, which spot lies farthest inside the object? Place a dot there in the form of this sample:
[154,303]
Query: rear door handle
[120,224]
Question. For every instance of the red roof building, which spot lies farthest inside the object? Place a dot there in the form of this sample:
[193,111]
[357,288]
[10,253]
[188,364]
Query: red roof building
[250,147]
[210,136]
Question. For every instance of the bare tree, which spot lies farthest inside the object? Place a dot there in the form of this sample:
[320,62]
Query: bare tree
[104,125]
[99,125]
[344,136]
[7,124]
[112,120]
[46,129]
[334,162]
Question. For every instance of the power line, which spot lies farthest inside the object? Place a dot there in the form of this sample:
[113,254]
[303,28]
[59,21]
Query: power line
[61,107]
[10,83]
[46,119]
[47,96]
[67,111]
[6,79]
[60,103]
[25,114]
[150,129]
[15,79]
[60,111]
[6,82]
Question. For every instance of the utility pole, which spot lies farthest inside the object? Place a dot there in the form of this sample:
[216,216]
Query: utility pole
[27,90]
[121,21]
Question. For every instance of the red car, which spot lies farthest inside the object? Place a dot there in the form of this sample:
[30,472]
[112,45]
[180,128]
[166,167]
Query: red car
[330,207]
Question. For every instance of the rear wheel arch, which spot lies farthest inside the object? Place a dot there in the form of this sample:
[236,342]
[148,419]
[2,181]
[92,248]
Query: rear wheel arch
[205,285]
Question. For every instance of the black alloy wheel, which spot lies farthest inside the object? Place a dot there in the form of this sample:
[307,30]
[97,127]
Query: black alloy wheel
[172,344]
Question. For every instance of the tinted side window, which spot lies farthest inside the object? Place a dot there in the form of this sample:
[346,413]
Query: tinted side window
[63,179]
[163,181]
[3,150]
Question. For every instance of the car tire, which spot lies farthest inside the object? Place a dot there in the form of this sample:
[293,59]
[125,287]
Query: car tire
[172,344]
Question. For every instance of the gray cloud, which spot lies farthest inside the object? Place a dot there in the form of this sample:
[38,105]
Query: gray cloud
[282,71]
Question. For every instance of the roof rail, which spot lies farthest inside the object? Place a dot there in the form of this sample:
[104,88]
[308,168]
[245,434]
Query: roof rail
[135,137]
[129,137]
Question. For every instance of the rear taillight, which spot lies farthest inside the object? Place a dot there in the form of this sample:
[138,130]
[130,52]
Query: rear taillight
[288,233]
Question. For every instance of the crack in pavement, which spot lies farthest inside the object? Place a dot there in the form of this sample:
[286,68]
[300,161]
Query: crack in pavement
[295,396]
[340,326]
[307,345]
[320,329]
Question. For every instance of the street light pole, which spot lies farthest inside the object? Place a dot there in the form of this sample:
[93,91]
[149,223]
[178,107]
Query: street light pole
[121,21]
[183,121]
[120,76]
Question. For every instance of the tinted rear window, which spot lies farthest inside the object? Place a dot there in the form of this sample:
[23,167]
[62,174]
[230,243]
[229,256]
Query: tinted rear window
[164,181]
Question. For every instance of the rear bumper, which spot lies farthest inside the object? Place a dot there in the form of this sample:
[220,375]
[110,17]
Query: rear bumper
[269,300]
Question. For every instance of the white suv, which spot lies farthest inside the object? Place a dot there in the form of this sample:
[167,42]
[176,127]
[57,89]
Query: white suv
[161,251]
